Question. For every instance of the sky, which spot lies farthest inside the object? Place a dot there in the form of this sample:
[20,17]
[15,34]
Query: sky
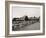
[29,11]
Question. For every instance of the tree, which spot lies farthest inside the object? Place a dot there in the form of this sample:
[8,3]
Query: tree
[14,19]
[34,16]
[26,18]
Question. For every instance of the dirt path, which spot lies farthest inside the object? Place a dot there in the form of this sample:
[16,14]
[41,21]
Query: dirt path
[35,26]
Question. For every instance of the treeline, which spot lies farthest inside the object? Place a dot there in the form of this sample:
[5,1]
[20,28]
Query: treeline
[26,19]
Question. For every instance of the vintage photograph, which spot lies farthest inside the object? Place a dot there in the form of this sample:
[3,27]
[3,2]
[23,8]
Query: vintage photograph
[25,18]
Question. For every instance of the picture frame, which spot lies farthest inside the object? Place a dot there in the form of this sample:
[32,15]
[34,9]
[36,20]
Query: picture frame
[7,20]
